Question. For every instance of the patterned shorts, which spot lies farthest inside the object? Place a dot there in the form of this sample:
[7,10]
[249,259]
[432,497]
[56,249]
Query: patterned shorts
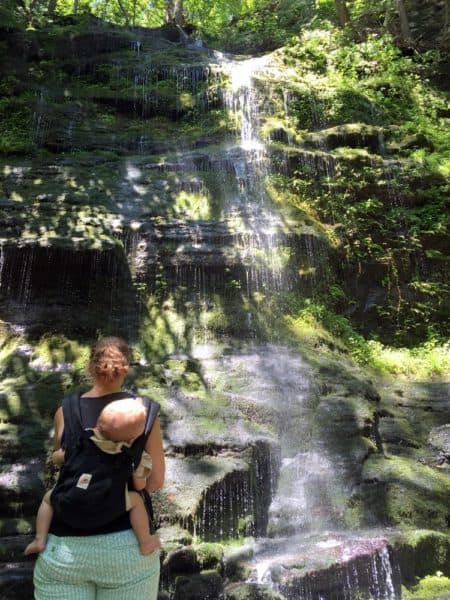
[99,567]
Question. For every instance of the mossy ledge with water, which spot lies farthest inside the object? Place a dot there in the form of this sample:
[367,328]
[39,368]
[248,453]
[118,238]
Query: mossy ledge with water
[126,207]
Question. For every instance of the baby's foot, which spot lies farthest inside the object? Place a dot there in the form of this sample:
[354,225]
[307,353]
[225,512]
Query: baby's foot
[34,547]
[151,544]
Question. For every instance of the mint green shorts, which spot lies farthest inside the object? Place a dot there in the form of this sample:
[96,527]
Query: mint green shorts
[99,567]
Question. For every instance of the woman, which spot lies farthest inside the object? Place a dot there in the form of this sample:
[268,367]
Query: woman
[104,563]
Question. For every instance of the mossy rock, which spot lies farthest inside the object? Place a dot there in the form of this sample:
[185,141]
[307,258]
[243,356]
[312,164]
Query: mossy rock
[353,135]
[210,556]
[196,485]
[251,591]
[207,585]
[18,526]
[180,561]
[237,563]
[422,552]
[174,535]
[410,493]
[431,587]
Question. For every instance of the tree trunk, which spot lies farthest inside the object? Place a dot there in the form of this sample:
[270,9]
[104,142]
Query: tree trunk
[387,15]
[342,12]
[28,10]
[76,5]
[51,8]
[174,11]
[404,22]
[445,26]
[124,12]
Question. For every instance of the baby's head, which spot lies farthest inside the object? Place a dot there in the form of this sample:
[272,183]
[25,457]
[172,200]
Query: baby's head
[122,420]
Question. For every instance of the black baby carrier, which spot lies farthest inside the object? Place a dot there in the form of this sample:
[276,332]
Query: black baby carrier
[90,491]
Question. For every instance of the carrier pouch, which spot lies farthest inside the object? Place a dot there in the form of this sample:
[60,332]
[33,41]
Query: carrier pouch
[76,442]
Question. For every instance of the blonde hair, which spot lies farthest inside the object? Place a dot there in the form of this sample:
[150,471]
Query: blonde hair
[122,420]
[110,358]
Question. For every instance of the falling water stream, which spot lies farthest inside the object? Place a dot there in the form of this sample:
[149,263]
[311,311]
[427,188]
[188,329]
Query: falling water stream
[306,508]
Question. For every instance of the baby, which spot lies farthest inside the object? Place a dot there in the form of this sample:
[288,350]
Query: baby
[118,425]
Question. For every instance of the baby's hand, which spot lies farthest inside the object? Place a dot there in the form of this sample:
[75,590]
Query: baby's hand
[58,457]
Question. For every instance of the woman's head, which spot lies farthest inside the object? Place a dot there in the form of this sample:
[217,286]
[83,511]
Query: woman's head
[110,359]
[122,420]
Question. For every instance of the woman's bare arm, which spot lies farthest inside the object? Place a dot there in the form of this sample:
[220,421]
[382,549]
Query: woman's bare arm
[154,447]
[58,452]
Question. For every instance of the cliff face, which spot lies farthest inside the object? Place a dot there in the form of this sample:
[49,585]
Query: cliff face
[111,139]
[428,22]
[189,201]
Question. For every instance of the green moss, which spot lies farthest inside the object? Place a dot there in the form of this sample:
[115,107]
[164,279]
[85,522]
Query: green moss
[16,135]
[422,552]
[16,527]
[396,468]
[192,206]
[415,495]
[431,587]
[192,381]
[212,424]
[209,556]
[353,517]
[52,349]
[163,331]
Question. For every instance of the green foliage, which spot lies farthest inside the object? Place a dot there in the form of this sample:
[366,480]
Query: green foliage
[428,588]
[367,14]
[384,197]
[325,12]
[15,125]
[9,16]
[316,321]
[255,26]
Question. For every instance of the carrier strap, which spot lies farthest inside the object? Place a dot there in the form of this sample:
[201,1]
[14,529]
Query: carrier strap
[152,412]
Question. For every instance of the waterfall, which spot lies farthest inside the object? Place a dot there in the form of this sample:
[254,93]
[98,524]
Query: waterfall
[312,482]
[242,99]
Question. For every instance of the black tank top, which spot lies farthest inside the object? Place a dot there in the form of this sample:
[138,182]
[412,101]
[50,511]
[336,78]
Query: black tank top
[90,410]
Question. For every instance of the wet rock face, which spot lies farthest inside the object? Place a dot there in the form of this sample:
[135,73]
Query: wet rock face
[21,486]
[403,485]
[40,285]
[207,585]
[352,136]
[220,496]
[425,21]
[334,565]
[439,440]
[251,591]
[143,204]
[364,574]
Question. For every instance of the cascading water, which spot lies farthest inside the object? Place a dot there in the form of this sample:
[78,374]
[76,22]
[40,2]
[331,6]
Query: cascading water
[312,481]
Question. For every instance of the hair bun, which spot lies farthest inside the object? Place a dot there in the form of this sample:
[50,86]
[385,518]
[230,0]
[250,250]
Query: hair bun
[109,362]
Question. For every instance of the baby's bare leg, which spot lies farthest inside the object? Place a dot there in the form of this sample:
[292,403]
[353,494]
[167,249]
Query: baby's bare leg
[43,519]
[139,522]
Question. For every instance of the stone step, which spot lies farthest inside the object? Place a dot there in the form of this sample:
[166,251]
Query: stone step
[21,488]
[17,526]
[16,581]
[12,547]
